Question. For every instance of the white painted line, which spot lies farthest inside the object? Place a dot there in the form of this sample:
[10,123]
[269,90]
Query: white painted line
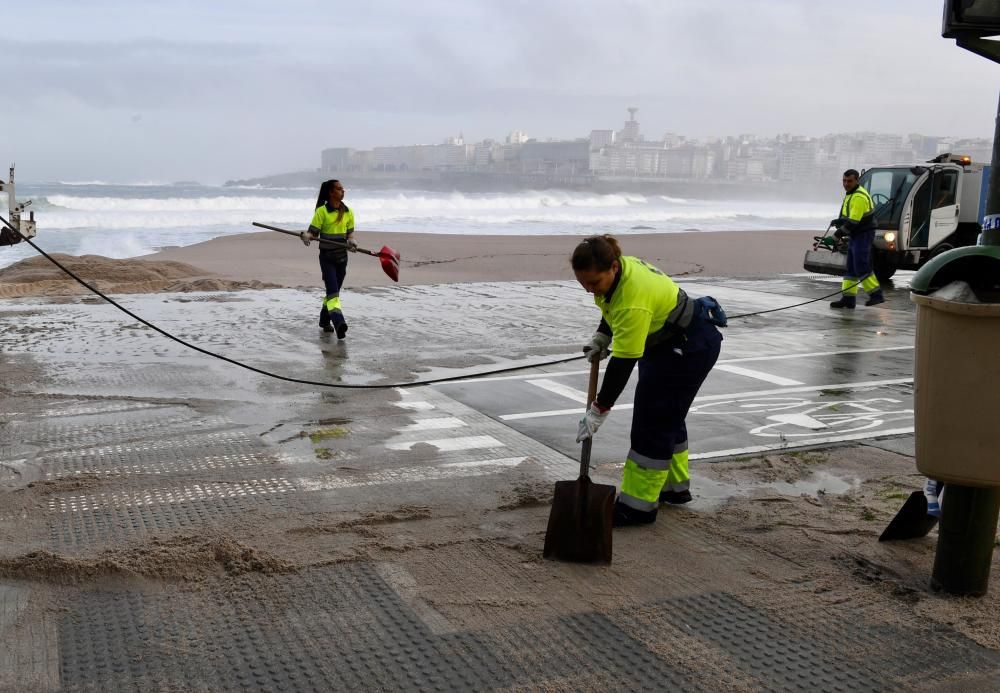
[713,398]
[800,420]
[416,405]
[409,475]
[502,462]
[436,424]
[451,444]
[814,354]
[736,452]
[772,357]
[758,375]
[560,389]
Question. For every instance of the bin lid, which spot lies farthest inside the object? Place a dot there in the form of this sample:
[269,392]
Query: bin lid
[978,266]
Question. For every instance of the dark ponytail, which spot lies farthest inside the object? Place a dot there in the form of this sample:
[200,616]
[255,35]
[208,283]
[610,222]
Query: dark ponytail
[324,197]
[596,253]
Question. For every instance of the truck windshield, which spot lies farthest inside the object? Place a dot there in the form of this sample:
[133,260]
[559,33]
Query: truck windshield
[888,188]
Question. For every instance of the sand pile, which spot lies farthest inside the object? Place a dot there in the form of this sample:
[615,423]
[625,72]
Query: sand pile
[177,558]
[38,277]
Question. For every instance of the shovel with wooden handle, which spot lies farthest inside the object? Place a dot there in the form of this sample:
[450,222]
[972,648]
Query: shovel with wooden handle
[388,257]
[582,512]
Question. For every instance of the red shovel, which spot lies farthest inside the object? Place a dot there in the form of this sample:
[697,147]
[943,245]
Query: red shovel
[388,257]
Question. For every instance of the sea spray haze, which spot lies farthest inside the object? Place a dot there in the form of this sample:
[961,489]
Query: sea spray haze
[131,220]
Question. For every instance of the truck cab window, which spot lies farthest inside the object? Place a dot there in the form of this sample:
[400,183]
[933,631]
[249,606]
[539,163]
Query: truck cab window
[944,188]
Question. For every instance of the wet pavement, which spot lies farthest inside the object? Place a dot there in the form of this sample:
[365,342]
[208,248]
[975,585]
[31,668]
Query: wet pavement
[119,446]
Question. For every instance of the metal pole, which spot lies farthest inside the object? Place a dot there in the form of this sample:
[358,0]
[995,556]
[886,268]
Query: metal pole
[965,540]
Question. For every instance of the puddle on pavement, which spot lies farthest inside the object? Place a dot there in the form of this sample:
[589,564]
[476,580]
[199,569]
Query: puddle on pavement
[712,492]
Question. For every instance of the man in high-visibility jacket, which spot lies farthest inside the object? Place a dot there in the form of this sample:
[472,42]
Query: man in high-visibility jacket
[857,222]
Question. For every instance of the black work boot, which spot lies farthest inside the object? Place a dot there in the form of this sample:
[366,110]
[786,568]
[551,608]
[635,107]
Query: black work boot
[341,330]
[324,319]
[875,298]
[625,516]
[845,302]
[676,497]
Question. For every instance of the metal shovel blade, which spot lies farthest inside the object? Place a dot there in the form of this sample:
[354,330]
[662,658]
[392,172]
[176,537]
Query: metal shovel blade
[582,512]
[580,522]
[912,520]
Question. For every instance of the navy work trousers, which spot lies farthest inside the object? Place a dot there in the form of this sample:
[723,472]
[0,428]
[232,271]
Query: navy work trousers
[859,255]
[668,384]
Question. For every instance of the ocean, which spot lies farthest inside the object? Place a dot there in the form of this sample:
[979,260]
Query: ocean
[120,221]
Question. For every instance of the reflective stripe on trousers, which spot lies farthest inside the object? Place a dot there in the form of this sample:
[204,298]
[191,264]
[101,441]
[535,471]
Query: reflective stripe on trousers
[645,478]
[849,286]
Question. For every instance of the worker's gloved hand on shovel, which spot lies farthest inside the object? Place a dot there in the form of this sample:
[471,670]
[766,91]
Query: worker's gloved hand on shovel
[306,237]
[597,347]
[591,421]
[352,245]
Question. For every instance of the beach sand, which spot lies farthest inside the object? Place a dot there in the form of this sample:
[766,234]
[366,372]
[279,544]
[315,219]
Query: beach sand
[264,260]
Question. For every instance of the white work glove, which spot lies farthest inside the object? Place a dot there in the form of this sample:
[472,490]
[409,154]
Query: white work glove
[591,421]
[306,237]
[597,347]
[352,245]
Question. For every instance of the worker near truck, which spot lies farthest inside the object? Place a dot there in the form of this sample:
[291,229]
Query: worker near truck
[857,222]
[333,225]
[650,321]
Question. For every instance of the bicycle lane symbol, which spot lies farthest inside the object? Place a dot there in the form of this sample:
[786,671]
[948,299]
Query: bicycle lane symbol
[794,417]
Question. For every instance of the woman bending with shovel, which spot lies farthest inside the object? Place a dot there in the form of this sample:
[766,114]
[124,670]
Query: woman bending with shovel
[333,226]
[649,320]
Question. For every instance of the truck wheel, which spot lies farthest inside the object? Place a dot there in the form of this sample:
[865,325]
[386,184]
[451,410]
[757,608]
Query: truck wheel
[883,265]
[940,249]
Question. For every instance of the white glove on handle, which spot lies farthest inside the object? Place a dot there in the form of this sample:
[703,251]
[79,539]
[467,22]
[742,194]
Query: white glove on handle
[306,237]
[591,421]
[597,347]
[352,245]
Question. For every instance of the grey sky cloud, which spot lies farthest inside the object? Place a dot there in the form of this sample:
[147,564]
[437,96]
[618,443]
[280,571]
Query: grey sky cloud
[130,90]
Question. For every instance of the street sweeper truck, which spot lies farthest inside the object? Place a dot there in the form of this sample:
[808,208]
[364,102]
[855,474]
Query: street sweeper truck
[921,211]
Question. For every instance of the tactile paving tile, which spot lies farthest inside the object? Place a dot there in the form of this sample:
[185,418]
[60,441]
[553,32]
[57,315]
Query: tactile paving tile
[81,531]
[210,463]
[776,654]
[104,458]
[590,646]
[917,648]
[169,495]
[62,435]
[332,628]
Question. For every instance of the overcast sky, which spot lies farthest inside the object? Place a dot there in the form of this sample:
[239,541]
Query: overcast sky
[132,90]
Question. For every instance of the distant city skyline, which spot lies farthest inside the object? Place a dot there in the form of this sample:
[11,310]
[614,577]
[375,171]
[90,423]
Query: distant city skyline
[628,154]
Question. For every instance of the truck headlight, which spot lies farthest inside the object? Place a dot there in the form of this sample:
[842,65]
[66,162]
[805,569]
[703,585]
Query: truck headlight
[889,237]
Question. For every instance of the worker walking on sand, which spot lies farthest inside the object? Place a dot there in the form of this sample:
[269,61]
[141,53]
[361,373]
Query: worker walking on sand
[649,320]
[333,226]
[857,222]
